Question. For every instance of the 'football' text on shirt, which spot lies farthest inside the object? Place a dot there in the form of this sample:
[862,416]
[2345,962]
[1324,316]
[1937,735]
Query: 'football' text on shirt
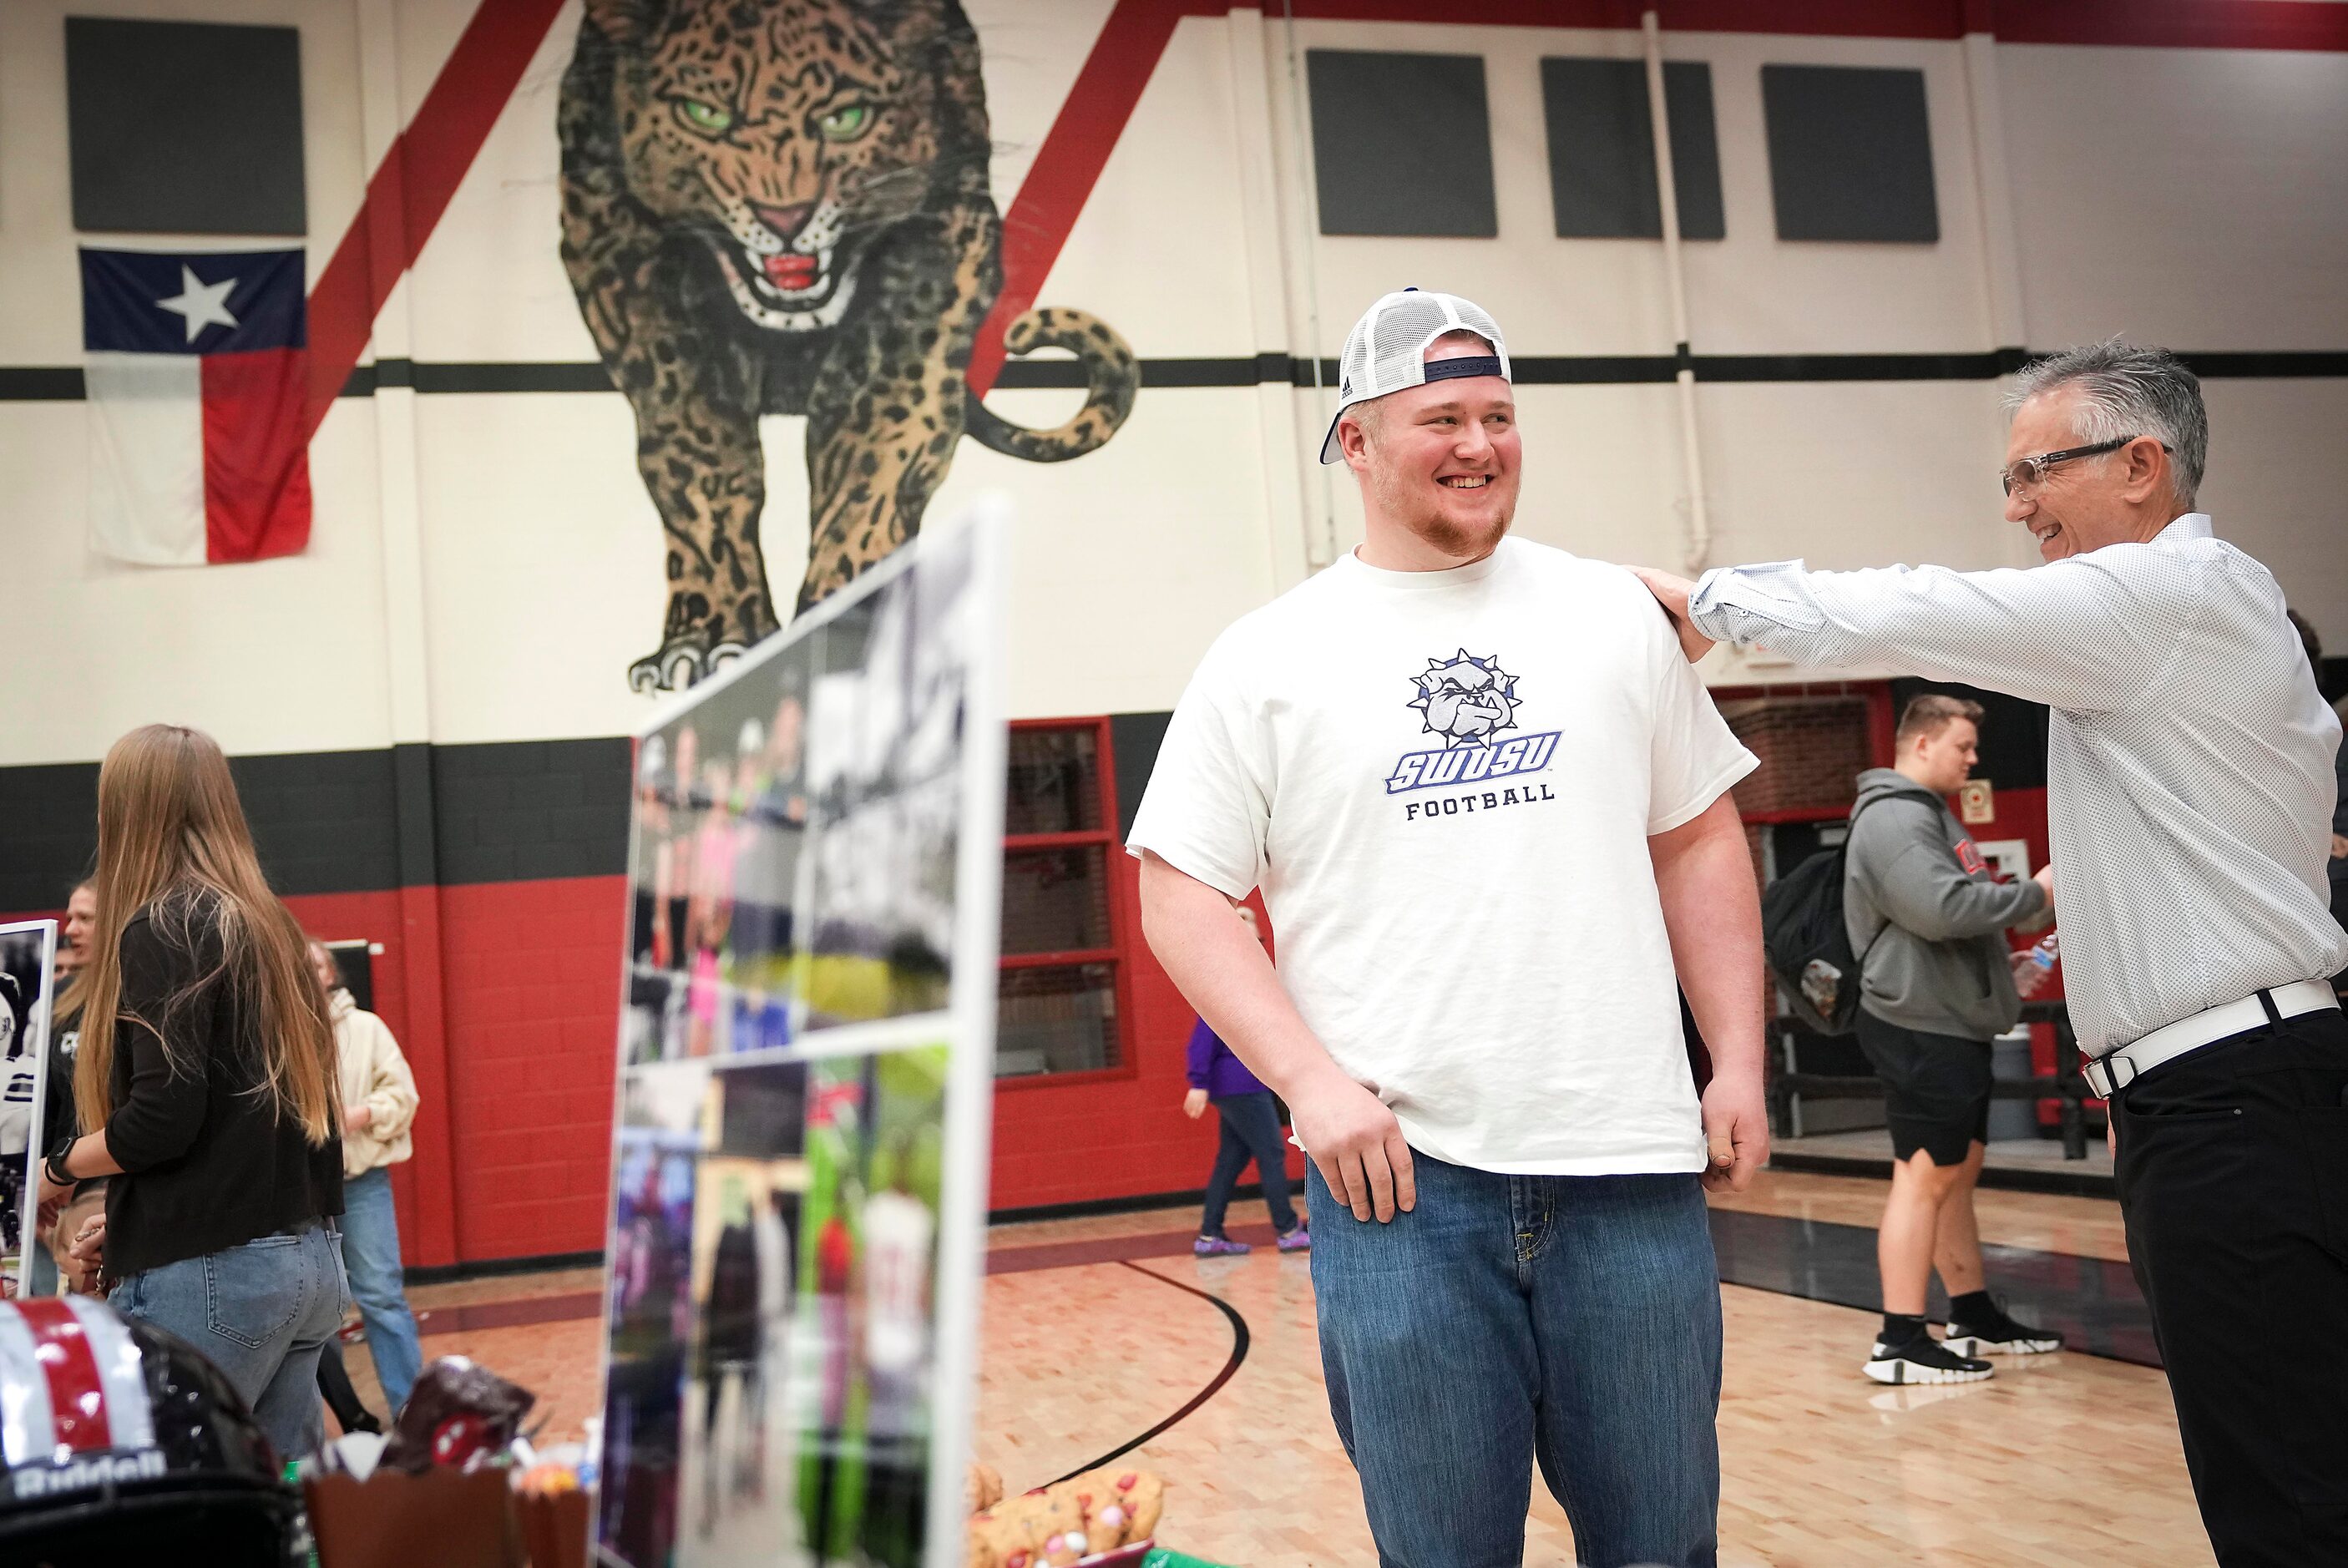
[1471,802]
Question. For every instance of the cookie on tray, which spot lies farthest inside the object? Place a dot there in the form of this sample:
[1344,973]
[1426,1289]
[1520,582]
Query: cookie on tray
[1120,1507]
[1143,1497]
[982,1489]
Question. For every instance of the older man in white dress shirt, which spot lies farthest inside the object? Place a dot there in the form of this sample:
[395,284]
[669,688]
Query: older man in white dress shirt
[2189,792]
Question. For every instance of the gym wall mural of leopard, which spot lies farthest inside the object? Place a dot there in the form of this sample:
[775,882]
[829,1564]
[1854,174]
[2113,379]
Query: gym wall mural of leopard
[783,207]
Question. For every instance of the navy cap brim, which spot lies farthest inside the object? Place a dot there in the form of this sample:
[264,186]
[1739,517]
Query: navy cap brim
[1330,450]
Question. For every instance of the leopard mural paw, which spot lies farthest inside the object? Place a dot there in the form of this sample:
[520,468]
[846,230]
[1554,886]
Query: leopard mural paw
[681,664]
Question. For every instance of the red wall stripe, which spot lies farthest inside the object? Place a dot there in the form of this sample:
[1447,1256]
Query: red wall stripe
[2176,24]
[425,1187]
[413,186]
[2141,24]
[1069,163]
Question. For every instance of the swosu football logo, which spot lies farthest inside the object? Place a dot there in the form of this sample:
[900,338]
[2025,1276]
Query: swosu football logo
[1470,702]
[1467,700]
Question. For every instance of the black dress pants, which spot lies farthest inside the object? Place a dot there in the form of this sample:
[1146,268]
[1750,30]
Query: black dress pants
[2233,1179]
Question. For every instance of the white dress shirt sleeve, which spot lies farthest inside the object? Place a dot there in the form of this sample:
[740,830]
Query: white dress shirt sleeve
[2091,634]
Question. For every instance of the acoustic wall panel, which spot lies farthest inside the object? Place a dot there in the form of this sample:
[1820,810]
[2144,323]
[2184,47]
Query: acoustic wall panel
[184,127]
[1850,154]
[1402,143]
[1602,148]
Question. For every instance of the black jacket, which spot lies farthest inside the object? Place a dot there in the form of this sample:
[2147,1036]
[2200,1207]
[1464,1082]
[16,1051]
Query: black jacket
[206,1163]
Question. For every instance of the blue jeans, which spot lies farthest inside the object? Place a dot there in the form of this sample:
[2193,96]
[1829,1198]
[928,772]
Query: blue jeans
[371,1253]
[258,1312]
[1575,1319]
[1250,1131]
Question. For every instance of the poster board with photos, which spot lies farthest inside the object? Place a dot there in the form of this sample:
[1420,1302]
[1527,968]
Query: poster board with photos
[805,1082]
[28,958]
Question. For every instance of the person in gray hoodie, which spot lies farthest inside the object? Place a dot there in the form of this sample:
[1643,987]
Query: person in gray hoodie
[1928,919]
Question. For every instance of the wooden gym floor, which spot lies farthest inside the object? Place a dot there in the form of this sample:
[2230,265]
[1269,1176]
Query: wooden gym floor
[1098,1330]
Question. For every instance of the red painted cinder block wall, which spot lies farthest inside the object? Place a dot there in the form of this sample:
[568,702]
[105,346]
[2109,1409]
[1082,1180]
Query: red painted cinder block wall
[513,1058]
[534,1006]
[1112,1136]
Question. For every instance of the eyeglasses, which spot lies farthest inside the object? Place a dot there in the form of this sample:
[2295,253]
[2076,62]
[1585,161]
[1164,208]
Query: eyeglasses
[2029,473]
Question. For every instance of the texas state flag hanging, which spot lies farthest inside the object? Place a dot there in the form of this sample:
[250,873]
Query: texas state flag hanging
[197,370]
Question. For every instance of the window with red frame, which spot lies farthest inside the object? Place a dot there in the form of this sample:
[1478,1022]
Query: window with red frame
[1057,996]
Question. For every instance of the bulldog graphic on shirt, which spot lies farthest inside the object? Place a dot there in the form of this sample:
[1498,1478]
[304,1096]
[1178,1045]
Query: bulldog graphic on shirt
[1467,701]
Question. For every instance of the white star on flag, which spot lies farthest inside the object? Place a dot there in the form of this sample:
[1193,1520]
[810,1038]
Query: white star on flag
[201,305]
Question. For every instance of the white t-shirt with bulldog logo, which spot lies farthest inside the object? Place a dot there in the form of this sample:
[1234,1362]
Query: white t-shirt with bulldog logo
[1444,782]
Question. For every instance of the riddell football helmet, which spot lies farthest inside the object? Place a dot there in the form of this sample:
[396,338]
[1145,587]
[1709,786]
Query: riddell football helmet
[117,1439]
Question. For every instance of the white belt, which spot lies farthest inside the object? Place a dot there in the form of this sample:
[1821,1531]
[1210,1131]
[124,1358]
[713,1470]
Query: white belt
[2119,1069]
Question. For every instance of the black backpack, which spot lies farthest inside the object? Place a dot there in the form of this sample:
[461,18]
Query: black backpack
[1808,946]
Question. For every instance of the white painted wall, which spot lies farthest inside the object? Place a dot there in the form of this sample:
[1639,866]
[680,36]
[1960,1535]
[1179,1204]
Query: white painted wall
[2195,198]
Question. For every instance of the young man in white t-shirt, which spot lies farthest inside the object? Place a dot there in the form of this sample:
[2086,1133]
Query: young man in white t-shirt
[1487,801]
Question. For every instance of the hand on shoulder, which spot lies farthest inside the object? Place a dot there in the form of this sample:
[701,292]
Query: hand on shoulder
[1673,594]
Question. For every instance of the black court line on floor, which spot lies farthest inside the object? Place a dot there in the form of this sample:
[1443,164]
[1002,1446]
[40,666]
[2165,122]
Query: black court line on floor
[2092,1303]
[1239,1340]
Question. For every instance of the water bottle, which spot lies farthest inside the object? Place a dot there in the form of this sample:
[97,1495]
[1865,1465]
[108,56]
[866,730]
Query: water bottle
[2047,949]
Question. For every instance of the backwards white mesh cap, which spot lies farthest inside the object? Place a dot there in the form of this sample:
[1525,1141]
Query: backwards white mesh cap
[1383,353]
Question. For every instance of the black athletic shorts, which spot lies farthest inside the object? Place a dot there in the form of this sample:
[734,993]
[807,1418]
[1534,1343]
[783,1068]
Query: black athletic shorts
[1935,1089]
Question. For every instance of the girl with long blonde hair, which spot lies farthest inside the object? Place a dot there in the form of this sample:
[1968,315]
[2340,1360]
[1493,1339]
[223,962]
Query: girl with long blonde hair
[206,1076]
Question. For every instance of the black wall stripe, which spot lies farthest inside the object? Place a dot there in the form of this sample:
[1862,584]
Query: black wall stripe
[40,383]
[1135,738]
[48,832]
[416,825]
[62,384]
[520,810]
[360,821]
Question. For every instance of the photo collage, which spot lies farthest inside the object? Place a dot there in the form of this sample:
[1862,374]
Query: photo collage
[788,1041]
[796,833]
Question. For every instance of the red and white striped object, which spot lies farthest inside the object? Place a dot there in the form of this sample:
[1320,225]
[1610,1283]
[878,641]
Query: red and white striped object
[196,366]
[71,1382]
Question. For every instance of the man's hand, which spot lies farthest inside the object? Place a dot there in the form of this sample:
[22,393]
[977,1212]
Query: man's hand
[1672,592]
[2045,881]
[2029,979]
[2339,848]
[1357,1143]
[1736,1131]
[1194,1104]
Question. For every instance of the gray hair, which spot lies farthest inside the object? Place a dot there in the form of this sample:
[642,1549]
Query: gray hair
[2125,391]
